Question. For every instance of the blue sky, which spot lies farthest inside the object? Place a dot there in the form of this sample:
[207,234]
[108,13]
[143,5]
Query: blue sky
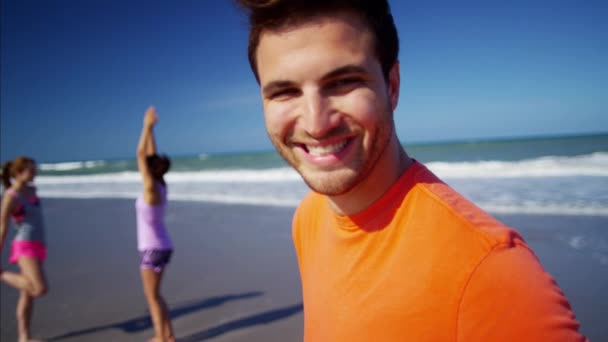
[76,76]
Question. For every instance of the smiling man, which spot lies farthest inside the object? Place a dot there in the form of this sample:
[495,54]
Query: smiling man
[387,251]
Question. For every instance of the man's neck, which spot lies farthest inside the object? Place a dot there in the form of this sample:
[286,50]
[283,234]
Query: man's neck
[390,166]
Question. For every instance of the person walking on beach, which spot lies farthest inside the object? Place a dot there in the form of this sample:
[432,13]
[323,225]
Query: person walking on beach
[28,248]
[153,242]
[386,250]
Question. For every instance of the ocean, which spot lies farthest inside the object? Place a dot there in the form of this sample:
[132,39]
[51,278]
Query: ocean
[565,175]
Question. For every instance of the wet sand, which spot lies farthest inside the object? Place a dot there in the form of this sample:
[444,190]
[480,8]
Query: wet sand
[234,275]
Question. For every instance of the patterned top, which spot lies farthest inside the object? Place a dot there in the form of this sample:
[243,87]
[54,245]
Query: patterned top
[27,216]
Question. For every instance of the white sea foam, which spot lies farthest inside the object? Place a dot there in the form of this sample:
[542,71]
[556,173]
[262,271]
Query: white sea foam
[69,166]
[530,207]
[101,178]
[548,185]
[595,164]
[545,209]
[239,176]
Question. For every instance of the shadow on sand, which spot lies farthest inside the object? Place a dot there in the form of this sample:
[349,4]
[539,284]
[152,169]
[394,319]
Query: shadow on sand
[261,318]
[145,322]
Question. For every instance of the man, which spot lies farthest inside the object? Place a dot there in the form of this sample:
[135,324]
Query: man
[387,252]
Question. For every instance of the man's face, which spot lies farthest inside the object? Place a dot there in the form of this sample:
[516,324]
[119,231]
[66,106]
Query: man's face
[327,107]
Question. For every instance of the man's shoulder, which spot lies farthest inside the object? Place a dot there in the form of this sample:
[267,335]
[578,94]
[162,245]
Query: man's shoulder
[452,211]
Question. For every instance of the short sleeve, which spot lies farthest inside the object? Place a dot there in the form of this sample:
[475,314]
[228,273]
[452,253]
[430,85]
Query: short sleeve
[295,235]
[510,297]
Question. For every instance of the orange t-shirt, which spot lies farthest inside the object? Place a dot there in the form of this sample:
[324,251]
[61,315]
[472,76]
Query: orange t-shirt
[422,264]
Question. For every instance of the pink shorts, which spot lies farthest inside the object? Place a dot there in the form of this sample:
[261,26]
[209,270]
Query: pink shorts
[33,249]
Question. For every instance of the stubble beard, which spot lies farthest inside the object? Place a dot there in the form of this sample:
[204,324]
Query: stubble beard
[342,180]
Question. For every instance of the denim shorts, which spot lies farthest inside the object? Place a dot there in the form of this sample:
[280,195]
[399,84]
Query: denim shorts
[155,259]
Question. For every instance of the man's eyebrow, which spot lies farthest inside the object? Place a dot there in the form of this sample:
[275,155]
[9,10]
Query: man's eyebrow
[347,69]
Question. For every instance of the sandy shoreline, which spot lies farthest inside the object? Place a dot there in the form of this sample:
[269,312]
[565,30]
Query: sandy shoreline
[234,273]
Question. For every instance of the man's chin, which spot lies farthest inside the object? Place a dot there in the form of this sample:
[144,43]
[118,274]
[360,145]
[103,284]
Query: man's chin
[331,183]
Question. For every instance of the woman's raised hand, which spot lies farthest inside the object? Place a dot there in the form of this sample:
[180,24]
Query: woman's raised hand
[150,117]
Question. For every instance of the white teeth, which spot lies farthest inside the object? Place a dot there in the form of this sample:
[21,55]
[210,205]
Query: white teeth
[319,151]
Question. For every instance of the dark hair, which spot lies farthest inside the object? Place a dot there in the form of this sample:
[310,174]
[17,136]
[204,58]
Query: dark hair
[276,14]
[154,159]
[12,168]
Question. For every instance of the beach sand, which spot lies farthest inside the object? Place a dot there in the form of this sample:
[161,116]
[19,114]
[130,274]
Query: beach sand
[234,274]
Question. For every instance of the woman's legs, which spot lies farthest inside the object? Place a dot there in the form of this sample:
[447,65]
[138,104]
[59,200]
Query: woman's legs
[31,283]
[157,306]
[167,322]
[31,279]
[25,307]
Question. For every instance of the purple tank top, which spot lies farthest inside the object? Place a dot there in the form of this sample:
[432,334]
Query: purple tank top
[151,229]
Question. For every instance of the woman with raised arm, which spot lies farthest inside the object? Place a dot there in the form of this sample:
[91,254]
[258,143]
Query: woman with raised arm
[28,249]
[153,242]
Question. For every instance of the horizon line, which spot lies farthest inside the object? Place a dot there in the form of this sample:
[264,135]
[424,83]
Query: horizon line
[418,143]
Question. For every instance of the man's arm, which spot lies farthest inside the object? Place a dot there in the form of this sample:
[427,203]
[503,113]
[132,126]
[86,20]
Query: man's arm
[510,297]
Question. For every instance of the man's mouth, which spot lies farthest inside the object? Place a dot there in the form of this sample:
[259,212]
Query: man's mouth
[320,151]
[323,150]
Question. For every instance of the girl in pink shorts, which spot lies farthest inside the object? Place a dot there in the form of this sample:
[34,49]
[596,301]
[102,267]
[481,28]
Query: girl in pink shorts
[28,249]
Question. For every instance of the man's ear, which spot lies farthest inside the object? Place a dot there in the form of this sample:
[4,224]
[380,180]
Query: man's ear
[393,85]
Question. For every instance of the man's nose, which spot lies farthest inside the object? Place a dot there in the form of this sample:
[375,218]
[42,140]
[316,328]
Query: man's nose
[318,116]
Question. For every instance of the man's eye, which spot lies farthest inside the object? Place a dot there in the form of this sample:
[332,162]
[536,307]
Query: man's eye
[345,83]
[283,93]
